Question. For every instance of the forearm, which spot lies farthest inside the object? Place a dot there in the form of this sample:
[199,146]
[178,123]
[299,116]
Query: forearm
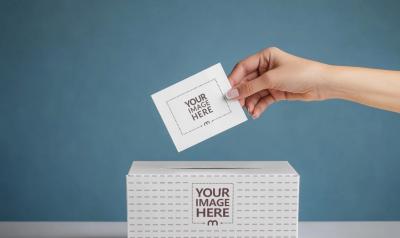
[372,87]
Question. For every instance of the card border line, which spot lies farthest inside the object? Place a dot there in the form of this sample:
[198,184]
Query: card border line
[193,129]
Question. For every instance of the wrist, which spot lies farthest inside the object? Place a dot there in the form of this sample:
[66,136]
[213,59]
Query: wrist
[332,86]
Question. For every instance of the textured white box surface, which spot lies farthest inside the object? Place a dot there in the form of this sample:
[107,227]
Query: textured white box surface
[260,199]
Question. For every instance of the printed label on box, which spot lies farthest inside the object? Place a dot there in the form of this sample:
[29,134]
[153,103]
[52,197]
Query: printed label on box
[212,203]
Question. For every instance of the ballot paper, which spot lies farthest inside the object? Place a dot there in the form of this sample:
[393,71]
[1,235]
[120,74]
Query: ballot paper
[196,109]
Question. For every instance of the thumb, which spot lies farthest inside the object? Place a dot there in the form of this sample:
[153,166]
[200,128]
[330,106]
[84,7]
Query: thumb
[248,88]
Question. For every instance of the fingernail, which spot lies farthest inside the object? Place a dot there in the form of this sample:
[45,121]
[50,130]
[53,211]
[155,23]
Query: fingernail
[251,110]
[254,116]
[233,93]
[248,110]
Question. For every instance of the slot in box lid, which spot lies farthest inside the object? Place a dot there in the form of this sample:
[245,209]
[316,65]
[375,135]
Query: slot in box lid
[223,167]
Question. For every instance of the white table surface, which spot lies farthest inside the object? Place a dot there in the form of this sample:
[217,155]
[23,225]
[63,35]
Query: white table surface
[118,229]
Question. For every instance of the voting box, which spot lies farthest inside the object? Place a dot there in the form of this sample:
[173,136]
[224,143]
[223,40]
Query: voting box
[212,199]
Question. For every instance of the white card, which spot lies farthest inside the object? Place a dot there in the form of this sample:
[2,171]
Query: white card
[196,109]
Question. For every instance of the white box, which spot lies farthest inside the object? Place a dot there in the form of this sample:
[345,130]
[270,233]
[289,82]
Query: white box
[212,199]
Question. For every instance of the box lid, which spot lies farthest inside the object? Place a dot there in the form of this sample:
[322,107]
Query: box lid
[223,167]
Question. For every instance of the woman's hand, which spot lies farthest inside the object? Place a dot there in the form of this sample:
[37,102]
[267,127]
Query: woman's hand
[272,75]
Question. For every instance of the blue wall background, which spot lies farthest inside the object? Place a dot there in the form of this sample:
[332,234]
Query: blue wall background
[75,106]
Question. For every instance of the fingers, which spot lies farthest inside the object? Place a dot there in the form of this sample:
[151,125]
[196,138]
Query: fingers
[249,77]
[272,97]
[253,100]
[266,101]
[244,68]
[242,102]
[249,88]
[262,105]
